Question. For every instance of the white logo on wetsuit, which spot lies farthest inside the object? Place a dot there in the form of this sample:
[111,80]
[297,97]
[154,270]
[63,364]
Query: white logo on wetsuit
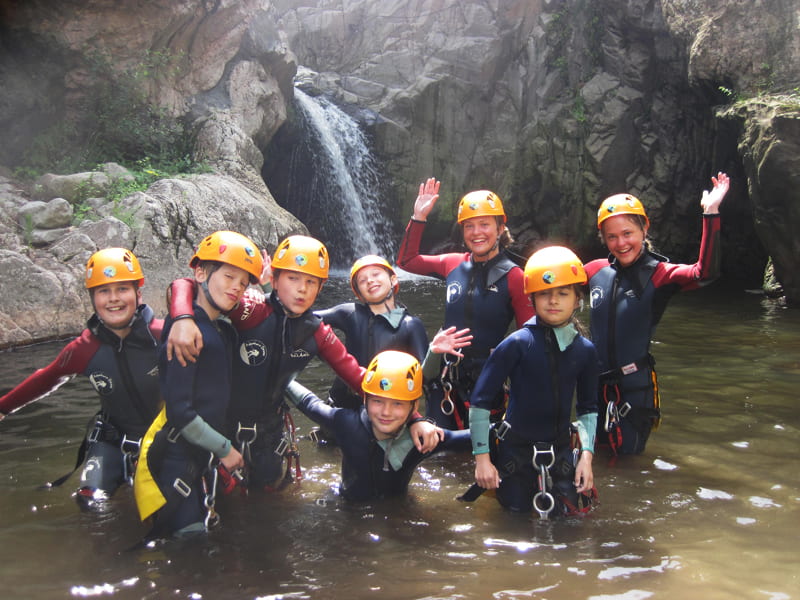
[102,383]
[596,296]
[453,292]
[299,353]
[253,352]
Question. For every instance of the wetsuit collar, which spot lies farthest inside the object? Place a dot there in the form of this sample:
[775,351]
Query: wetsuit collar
[138,324]
[640,272]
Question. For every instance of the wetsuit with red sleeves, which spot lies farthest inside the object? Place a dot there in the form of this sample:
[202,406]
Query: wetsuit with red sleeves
[627,304]
[484,296]
[273,349]
[124,373]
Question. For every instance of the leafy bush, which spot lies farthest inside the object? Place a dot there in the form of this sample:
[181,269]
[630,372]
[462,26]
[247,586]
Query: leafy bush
[115,122]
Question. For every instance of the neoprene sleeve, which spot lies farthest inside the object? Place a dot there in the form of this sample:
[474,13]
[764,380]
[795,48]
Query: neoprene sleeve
[479,429]
[200,433]
[587,427]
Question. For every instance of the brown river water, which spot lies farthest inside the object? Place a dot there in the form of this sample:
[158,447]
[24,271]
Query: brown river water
[711,510]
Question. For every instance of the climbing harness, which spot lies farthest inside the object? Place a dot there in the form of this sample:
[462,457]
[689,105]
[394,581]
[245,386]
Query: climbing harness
[130,453]
[616,409]
[544,456]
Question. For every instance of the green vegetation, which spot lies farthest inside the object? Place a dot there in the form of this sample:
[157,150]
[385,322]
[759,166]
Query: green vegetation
[144,174]
[114,121]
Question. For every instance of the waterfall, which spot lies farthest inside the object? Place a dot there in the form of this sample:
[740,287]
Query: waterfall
[335,183]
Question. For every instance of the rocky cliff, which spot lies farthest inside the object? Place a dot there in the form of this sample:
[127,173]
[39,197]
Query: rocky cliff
[231,77]
[553,104]
[557,104]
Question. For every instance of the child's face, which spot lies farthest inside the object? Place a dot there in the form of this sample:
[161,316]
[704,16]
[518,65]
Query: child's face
[115,303]
[555,306]
[480,236]
[624,238]
[226,285]
[297,291]
[387,416]
[374,283]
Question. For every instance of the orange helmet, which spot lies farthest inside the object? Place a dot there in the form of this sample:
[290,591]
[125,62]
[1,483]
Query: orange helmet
[620,204]
[552,267]
[303,254]
[111,265]
[371,260]
[393,375]
[481,203]
[232,249]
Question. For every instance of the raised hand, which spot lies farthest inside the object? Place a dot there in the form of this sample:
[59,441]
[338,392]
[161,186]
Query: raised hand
[450,341]
[426,200]
[711,200]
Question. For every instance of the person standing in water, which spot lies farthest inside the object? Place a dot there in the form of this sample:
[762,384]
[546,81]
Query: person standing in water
[117,352]
[629,292]
[529,457]
[484,294]
[176,480]
[376,322]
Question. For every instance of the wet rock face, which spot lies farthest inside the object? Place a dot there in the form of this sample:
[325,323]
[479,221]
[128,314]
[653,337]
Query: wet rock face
[555,105]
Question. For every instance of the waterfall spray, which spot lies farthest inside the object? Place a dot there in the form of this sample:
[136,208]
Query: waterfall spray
[336,182]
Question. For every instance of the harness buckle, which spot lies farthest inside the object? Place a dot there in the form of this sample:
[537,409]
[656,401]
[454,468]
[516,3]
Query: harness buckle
[241,428]
[94,434]
[315,435]
[624,410]
[183,488]
[173,434]
[502,429]
[283,446]
[130,446]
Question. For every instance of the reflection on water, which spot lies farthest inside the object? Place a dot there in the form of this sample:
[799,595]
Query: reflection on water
[710,511]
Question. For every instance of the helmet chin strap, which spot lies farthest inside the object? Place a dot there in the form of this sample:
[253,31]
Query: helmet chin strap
[207,293]
[385,300]
[490,250]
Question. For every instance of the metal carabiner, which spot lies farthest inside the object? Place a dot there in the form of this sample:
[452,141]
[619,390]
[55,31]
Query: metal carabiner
[210,493]
[447,405]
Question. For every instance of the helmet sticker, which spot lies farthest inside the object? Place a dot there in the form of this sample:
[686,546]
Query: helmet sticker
[548,277]
[301,260]
[473,206]
[109,271]
[386,384]
[249,251]
[222,248]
